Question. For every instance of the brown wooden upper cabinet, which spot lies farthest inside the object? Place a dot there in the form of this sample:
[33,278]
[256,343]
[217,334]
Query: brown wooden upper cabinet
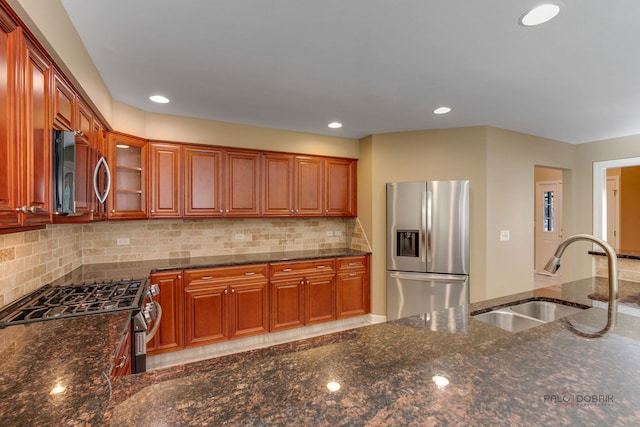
[202,181]
[242,187]
[165,183]
[35,190]
[64,100]
[340,192]
[308,186]
[10,35]
[277,184]
[128,162]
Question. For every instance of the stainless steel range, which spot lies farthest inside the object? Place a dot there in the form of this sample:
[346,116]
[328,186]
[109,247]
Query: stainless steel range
[57,302]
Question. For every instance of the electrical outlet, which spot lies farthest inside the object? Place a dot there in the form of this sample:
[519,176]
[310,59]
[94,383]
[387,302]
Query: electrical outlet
[504,235]
[239,236]
[122,241]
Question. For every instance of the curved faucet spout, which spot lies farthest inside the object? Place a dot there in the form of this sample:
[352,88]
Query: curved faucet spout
[612,265]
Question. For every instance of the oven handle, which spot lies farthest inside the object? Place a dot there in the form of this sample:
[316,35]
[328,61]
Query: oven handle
[153,330]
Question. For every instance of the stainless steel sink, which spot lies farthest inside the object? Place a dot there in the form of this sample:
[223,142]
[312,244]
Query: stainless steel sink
[526,315]
[546,311]
[508,320]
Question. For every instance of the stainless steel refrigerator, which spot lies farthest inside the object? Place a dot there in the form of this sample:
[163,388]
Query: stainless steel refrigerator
[427,247]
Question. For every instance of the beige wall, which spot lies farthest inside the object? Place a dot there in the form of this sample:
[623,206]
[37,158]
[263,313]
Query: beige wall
[211,132]
[511,161]
[413,156]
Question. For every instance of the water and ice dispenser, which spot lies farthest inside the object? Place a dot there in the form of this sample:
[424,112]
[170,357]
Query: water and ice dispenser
[407,243]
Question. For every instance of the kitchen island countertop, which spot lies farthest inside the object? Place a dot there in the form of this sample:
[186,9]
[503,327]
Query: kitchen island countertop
[543,376]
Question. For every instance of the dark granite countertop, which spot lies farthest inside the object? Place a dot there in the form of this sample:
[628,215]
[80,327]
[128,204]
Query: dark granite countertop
[622,253]
[75,353]
[543,376]
[141,269]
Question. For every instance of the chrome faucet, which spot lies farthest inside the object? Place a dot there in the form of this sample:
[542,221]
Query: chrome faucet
[612,265]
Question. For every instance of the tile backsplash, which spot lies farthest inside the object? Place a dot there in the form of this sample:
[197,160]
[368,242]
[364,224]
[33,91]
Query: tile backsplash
[28,260]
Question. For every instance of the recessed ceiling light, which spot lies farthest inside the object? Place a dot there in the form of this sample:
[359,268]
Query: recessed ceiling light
[441,110]
[159,99]
[335,125]
[539,15]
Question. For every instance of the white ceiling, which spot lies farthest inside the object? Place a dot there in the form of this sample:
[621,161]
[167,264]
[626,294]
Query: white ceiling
[375,65]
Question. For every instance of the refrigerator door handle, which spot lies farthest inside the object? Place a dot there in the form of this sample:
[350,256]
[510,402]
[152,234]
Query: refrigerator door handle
[427,209]
[423,227]
[428,277]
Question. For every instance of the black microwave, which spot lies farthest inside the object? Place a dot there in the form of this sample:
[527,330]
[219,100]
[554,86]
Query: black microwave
[81,177]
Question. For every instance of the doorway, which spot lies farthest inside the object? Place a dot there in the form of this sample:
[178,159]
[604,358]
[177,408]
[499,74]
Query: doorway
[548,222]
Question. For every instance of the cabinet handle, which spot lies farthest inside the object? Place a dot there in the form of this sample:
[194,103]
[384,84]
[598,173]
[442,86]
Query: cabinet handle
[123,361]
[250,273]
[206,278]
[351,264]
[353,274]
[320,266]
[286,270]
[22,209]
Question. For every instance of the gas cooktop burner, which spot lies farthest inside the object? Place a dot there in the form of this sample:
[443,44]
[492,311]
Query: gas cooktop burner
[54,302]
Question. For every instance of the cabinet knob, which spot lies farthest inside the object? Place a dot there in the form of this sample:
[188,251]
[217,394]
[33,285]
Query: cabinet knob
[179,277]
[227,211]
[233,291]
[113,211]
[226,291]
[153,211]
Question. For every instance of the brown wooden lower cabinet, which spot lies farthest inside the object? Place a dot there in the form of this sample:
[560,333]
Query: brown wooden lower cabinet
[353,287]
[205,306]
[302,293]
[225,303]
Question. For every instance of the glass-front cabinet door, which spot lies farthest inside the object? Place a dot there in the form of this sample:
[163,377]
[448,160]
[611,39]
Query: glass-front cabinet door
[127,161]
